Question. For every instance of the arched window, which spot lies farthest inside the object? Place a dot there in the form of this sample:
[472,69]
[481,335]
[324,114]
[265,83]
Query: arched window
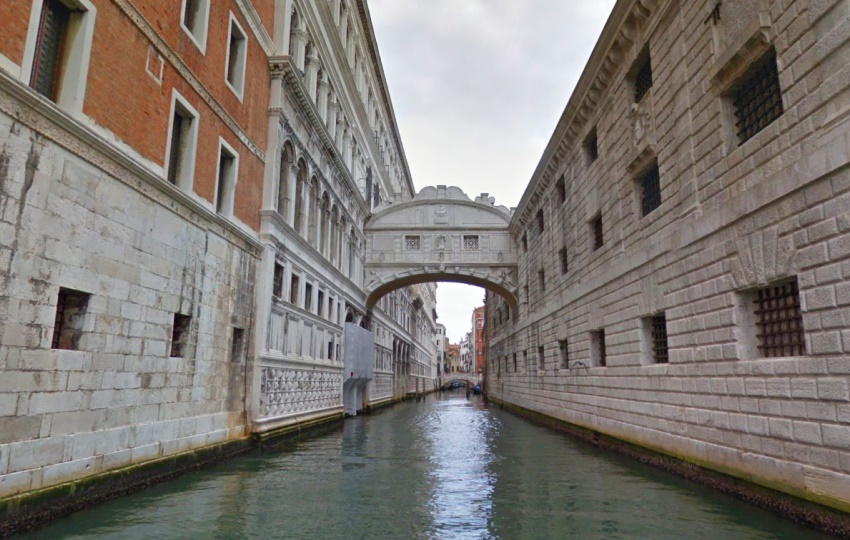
[283,201]
[301,181]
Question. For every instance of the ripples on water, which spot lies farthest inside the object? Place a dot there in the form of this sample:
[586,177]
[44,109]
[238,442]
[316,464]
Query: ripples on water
[444,468]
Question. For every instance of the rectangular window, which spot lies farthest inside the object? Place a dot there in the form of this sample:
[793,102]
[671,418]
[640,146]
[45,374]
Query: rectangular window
[597,348]
[649,184]
[758,97]
[541,223]
[515,363]
[194,19]
[541,358]
[525,241]
[561,189]
[541,278]
[237,49]
[563,350]
[470,243]
[293,290]
[277,283]
[50,49]
[525,293]
[596,238]
[331,349]
[562,257]
[642,74]
[308,297]
[226,185]
[412,243]
[321,307]
[180,336]
[71,309]
[779,320]
[237,347]
[657,327]
[181,147]
[591,146]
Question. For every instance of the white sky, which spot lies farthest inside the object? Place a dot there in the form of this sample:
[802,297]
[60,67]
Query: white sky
[478,87]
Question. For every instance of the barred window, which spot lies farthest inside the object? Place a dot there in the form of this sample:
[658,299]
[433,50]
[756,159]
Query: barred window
[541,358]
[596,237]
[779,321]
[597,343]
[470,242]
[180,335]
[758,97]
[541,223]
[237,346]
[563,350]
[642,74]
[277,285]
[658,335]
[591,145]
[649,183]
[562,257]
[412,243]
[71,307]
[561,188]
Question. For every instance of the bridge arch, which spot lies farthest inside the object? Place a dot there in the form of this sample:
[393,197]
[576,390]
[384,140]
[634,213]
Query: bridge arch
[441,235]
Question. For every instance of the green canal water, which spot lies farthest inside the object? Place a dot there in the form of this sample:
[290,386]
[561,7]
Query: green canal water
[446,467]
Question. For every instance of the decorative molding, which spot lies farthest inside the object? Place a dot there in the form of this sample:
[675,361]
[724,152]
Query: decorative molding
[255,23]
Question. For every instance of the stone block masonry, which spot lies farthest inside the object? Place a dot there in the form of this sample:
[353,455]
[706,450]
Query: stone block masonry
[744,259]
[118,394]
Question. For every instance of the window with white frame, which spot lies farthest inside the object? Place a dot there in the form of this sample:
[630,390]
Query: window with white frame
[228,169]
[194,20]
[237,52]
[182,143]
[58,50]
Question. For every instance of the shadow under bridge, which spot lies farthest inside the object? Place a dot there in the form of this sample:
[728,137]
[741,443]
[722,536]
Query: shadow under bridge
[441,235]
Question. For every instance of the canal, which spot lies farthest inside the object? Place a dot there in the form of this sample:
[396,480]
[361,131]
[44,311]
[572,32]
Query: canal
[447,467]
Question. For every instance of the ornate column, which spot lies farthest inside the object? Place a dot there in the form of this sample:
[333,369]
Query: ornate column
[298,46]
[311,75]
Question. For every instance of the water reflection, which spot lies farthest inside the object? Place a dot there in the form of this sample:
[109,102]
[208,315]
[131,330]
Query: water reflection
[447,467]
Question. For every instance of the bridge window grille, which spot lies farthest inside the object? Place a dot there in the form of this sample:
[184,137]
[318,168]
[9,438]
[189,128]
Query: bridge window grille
[779,321]
[470,243]
[71,307]
[643,75]
[563,350]
[591,146]
[277,285]
[562,257]
[597,239]
[180,335]
[412,243]
[758,98]
[597,340]
[50,46]
[650,189]
[658,335]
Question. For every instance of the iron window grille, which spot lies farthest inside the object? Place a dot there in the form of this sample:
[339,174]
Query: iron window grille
[599,340]
[180,335]
[562,256]
[596,232]
[71,308]
[541,223]
[563,349]
[643,75]
[412,243]
[237,348]
[650,190]
[779,321]
[50,47]
[561,188]
[470,243]
[658,334]
[758,98]
[591,144]
[541,358]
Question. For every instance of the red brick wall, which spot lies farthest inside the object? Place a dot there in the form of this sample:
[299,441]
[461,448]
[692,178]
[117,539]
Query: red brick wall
[124,99]
[15,16]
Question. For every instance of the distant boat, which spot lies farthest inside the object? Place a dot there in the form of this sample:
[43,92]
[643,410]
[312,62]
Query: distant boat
[477,389]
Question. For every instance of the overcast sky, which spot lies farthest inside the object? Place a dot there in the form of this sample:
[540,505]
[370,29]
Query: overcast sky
[477,87]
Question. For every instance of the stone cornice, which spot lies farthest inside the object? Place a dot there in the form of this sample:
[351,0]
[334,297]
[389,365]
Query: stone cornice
[46,119]
[162,47]
[626,26]
[292,79]
[363,11]
[255,23]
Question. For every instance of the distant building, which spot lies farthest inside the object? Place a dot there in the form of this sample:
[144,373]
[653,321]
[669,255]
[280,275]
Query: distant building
[465,353]
[453,358]
[476,342]
[440,345]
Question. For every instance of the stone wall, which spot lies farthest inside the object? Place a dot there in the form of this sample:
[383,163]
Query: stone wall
[87,223]
[735,217]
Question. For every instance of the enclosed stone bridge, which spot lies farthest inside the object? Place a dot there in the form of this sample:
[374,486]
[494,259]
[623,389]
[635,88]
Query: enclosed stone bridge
[470,380]
[441,235]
